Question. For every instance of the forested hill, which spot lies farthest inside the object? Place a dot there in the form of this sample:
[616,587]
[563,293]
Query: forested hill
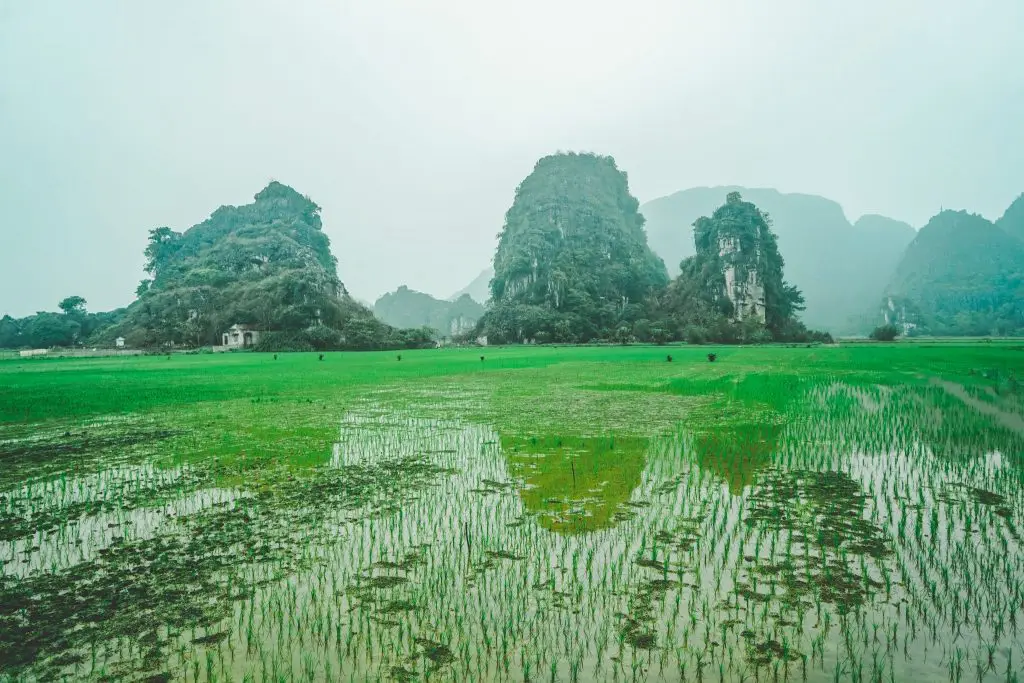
[408,308]
[840,268]
[267,264]
[572,262]
[961,275]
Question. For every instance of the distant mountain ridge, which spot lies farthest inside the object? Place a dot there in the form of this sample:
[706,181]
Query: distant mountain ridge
[408,308]
[841,268]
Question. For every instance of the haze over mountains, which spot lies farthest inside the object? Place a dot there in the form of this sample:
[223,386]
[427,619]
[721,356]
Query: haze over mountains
[270,264]
[407,308]
[411,123]
[962,275]
[479,289]
[847,271]
[841,268]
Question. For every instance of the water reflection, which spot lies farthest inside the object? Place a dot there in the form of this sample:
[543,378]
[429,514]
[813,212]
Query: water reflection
[736,454]
[445,550]
[576,484]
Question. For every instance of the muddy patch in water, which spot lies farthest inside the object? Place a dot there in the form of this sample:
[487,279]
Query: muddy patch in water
[825,551]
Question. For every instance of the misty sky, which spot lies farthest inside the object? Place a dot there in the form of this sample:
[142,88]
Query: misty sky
[412,122]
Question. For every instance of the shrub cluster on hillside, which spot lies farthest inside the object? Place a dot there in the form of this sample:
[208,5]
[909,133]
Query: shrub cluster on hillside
[885,333]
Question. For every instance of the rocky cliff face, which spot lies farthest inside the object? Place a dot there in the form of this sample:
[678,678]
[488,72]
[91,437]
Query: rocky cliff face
[745,293]
[894,312]
[737,248]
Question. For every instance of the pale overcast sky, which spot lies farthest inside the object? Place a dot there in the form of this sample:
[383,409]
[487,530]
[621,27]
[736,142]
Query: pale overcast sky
[411,122]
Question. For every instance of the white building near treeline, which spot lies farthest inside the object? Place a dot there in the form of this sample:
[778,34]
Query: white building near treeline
[240,337]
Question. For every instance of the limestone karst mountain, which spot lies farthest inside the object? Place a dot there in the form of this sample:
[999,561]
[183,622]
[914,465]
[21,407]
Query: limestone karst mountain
[961,275]
[1012,220]
[408,308]
[572,262]
[266,264]
[737,271]
[840,268]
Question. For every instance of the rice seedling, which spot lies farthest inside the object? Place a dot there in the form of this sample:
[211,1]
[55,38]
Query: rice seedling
[557,514]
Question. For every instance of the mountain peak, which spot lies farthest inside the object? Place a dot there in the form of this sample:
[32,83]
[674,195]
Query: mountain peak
[1012,220]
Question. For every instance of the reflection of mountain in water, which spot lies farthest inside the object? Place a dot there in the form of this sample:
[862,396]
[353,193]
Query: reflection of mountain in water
[576,484]
[735,455]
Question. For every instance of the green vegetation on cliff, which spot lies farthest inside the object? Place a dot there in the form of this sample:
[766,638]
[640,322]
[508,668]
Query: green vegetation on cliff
[961,275]
[266,264]
[733,288]
[841,268]
[572,262]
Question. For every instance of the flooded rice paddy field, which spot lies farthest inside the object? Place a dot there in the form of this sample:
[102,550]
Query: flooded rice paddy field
[540,515]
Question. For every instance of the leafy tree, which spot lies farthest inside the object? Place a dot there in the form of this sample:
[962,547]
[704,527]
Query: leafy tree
[696,335]
[660,335]
[642,330]
[45,330]
[10,333]
[73,305]
[163,244]
[885,333]
[623,335]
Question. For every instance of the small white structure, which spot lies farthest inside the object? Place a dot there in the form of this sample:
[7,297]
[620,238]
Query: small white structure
[240,337]
[119,342]
[33,353]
